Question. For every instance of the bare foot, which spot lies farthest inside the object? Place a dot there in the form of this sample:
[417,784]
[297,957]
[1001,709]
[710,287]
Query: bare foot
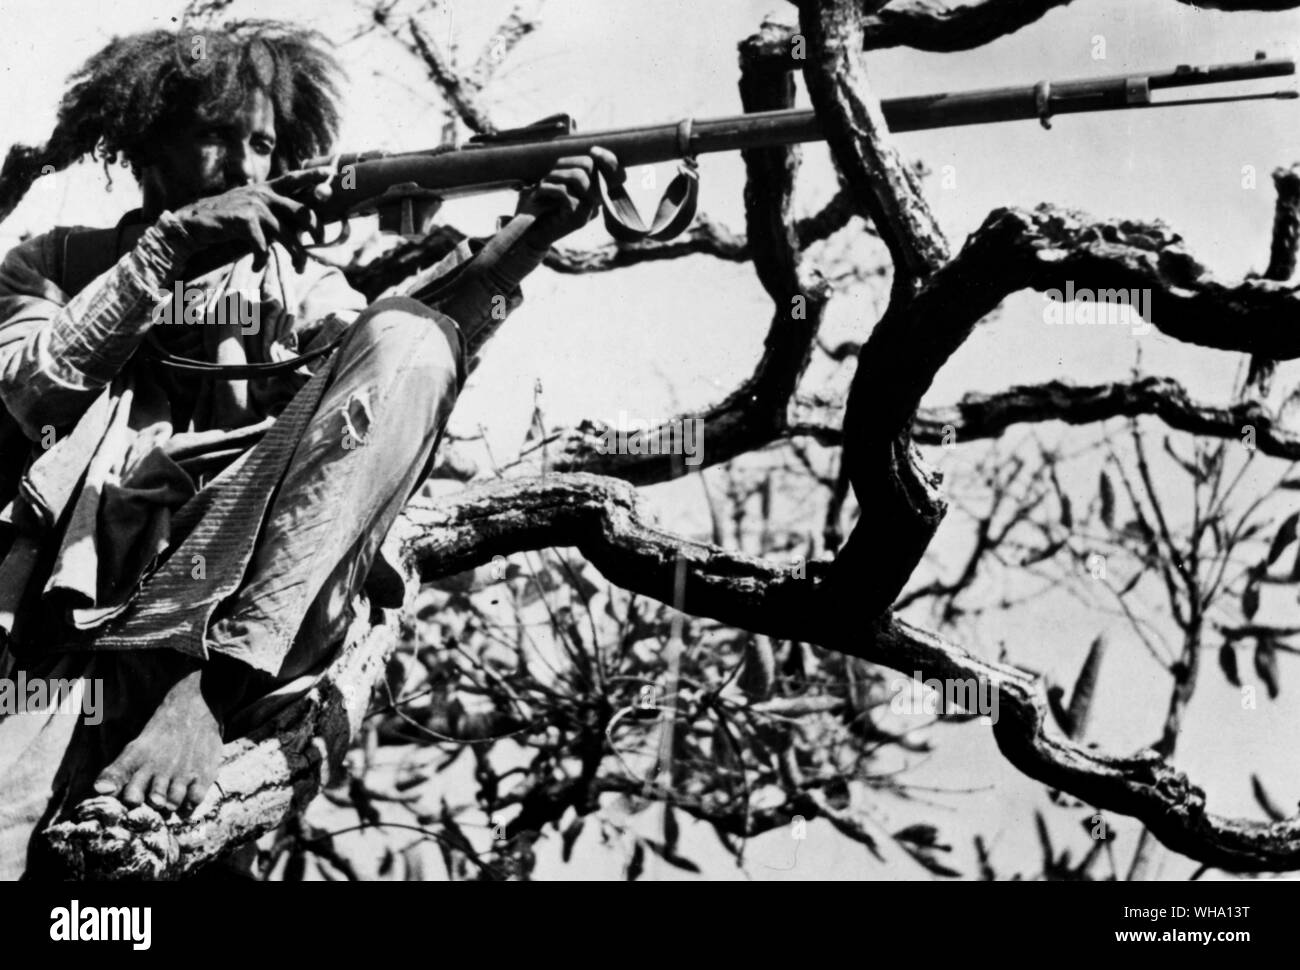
[174,760]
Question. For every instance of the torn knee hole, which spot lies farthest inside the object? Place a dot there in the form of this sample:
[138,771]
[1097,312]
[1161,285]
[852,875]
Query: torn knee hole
[356,420]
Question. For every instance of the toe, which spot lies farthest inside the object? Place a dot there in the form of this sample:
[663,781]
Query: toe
[110,780]
[137,787]
[116,776]
[195,794]
[176,793]
[158,790]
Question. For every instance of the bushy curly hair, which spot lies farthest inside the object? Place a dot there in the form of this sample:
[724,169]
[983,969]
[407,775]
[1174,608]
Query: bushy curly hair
[143,85]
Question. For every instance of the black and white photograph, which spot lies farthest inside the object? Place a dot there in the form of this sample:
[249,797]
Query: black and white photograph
[609,441]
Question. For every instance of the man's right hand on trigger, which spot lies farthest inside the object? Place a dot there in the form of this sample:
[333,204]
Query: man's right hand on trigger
[254,216]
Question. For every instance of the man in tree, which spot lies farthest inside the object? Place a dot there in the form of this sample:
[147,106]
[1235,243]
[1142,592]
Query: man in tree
[192,537]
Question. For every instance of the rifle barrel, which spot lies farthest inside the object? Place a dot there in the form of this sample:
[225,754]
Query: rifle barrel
[508,163]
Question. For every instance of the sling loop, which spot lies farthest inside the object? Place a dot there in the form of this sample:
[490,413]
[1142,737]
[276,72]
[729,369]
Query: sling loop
[676,208]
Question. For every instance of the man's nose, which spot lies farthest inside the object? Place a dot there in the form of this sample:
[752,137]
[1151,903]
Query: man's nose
[239,166]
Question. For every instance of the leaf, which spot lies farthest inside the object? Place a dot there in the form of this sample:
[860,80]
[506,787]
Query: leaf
[838,795]
[1228,664]
[671,829]
[545,580]
[1081,871]
[395,676]
[1270,807]
[1107,492]
[1047,552]
[986,864]
[295,869]
[1266,665]
[1044,840]
[636,865]
[672,858]
[537,423]
[1250,598]
[724,755]
[736,849]
[366,811]
[570,836]
[582,584]
[1085,686]
[934,865]
[921,834]
[1055,697]
[759,673]
[1067,512]
[1128,587]
[1198,474]
[454,845]
[858,675]
[414,864]
[1252,530]
[1286,534]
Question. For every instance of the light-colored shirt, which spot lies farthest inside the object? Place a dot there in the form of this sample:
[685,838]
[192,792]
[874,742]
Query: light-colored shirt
[118,451]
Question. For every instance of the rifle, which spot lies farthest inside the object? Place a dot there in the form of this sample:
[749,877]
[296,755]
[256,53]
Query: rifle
[406,189]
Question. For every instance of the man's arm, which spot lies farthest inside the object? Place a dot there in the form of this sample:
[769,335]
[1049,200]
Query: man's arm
[484,289]
[55,359]
[475,288]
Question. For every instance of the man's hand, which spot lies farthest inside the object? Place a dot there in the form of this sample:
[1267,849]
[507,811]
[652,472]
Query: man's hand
[254,216]
[567,198]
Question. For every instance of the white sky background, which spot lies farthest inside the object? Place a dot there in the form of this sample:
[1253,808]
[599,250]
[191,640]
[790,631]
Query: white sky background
[682,333]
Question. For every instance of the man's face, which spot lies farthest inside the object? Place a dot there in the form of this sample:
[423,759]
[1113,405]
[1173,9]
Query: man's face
[210,157]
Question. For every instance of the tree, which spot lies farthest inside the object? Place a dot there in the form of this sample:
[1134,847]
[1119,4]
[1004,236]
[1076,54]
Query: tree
[825,621]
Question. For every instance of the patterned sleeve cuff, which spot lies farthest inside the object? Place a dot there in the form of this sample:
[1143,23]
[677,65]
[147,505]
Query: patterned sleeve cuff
[99,330]
[161,251]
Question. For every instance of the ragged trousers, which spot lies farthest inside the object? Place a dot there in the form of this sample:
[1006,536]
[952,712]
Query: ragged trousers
[369,445]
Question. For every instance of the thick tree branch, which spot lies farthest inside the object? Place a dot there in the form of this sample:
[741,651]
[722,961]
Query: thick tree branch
[504,39]
[1286,224]
[603,519]
[755,413]
[858,138]
[1050,247]
[898,495]
[940,27]
[927,25]
[263,780]
[1281,264]
[975,417]
[978,416]
[459,90]
[705,237]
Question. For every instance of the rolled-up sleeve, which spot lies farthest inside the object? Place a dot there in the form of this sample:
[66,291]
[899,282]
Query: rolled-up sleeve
[56,354]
